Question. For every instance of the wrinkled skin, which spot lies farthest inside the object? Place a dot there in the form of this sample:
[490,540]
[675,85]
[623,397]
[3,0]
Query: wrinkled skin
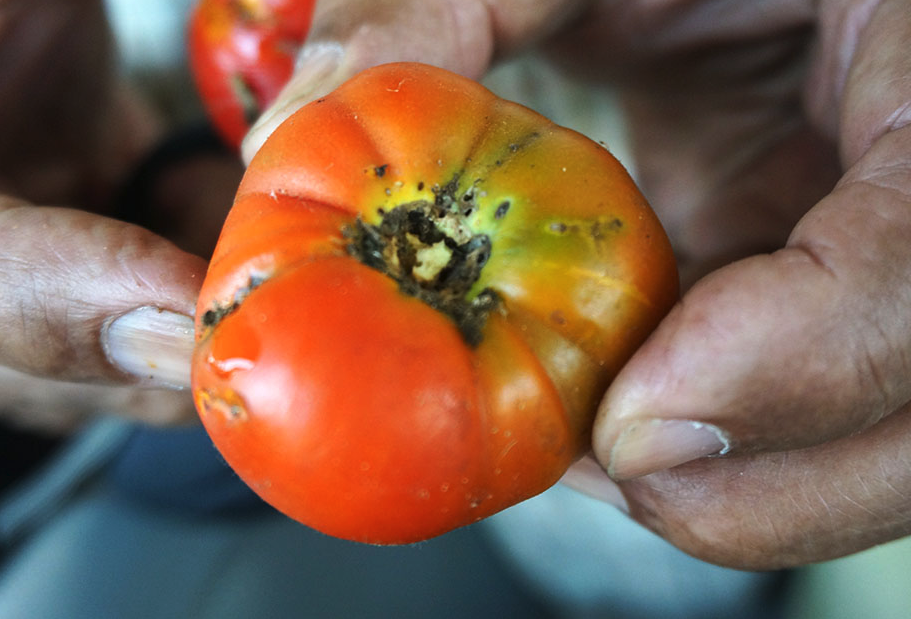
[759,126]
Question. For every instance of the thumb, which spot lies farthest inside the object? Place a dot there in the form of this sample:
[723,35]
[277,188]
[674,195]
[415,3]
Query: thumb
[463,36]
[806,345]
[90,299]
[783,351]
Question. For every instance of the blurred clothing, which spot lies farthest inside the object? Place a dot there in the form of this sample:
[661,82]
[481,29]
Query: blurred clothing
[131,521]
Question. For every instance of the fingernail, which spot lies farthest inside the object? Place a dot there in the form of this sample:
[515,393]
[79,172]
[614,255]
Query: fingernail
[152,344]
[655,445]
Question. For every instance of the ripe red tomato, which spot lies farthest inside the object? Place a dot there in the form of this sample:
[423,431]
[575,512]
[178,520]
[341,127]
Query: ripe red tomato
[417,301]
[241,53]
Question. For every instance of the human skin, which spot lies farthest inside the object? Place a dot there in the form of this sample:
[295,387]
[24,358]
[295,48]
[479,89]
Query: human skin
[772,138]
[71,132]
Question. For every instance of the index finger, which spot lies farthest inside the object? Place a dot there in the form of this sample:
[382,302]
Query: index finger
[463,36]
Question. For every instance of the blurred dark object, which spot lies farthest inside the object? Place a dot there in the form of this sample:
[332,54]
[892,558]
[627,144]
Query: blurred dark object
[179,468]
[183,188]
[23,451]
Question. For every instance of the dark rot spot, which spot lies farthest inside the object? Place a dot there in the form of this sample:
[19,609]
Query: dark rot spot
[380,170]
[227,405]
[433,255]
[501,211]
[215,315]
[210,318]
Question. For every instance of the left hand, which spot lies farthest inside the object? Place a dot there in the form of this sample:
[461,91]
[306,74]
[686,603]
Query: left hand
[95,311]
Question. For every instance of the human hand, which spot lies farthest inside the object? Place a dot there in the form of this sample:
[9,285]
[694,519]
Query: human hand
[765,126]
[776,126]
[95,312]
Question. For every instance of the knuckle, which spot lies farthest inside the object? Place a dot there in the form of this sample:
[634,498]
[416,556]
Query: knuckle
[733,518]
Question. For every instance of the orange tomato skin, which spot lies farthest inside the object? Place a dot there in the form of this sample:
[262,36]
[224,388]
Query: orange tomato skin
[367,413]
[241,53]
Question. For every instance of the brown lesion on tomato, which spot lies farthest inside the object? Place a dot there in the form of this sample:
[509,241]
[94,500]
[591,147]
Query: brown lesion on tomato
[597,230]
[558,318]
[601,228]
[219,311]
[227,404]
[429,249]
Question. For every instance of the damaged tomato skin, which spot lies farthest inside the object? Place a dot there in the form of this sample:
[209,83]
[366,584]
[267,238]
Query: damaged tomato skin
[241,54]
[364,412]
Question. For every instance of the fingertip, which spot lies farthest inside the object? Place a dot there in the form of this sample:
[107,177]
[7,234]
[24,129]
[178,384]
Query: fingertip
[757,357]
[587,476]
[319,70]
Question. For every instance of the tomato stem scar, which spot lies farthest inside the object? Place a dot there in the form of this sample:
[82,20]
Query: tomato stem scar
[431,252]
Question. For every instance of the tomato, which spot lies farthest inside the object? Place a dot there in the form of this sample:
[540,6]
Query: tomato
[417,301]
[241,53]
